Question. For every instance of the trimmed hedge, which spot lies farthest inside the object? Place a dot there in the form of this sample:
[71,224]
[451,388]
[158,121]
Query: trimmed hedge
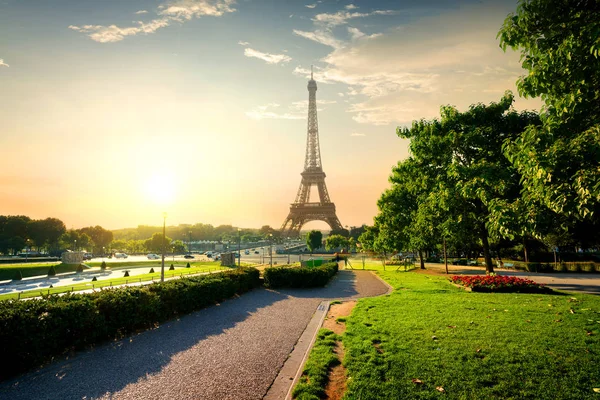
[35,331]
[299,277]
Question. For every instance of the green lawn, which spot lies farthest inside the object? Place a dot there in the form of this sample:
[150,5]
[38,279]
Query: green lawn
[9,271]
[200,267]
[473,345]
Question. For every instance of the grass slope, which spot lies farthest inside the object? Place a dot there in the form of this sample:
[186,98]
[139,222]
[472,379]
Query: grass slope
[473,345]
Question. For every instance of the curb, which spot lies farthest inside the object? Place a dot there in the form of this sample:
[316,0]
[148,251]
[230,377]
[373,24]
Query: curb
[282,386]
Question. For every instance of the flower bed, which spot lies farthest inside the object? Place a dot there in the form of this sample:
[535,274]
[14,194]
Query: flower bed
[496,283]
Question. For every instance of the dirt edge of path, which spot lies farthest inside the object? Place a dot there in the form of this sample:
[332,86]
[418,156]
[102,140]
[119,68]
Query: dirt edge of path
[335,321]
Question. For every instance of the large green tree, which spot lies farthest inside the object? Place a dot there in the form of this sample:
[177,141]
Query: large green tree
[460,159]
[559,41]
[156,243]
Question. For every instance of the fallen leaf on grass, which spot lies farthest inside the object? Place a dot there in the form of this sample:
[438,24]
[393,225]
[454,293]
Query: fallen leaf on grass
[440,389]
[528,321]
[417,381]
[434,337]
[452,326]
[558,320]
[597,390]
[571,311]
[477,351]
[589,333]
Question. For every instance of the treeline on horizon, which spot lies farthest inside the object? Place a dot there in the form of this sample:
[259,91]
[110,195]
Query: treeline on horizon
[502,183]
[20,232]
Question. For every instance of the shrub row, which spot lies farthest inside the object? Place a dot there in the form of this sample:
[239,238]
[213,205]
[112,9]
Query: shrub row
[34,331]
[299,277]
[559,267]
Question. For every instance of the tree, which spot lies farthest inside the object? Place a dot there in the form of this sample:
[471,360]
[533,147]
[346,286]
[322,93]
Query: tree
[314,240]
[178,246]
[156,243]
[336,242]
[560,160]
[465,172]
[100,236]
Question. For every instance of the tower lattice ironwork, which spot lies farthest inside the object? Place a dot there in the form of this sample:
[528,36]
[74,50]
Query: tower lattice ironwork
[302,210]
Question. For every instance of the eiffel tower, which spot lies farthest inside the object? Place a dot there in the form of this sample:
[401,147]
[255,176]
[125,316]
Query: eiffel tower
[302,210]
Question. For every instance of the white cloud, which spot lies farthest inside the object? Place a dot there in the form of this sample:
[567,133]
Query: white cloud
[350,7]
[357,134]
[310,5]
[342,17]
[320,36]
[3,64]
[188,9]
[267,57]
[408,72]
[141,12]
[113,33]
[242,43]
[341,94]
[176,10]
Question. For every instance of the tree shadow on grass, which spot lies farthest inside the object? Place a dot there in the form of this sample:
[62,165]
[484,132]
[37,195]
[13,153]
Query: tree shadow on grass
[110,367]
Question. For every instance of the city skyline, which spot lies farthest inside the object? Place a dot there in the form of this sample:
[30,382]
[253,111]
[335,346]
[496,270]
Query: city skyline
[118,112]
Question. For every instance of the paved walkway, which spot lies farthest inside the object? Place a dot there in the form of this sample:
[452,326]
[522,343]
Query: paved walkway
[567,281]
[230,351]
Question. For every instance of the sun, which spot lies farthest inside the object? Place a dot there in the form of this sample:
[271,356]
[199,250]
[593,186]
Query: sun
[160,188]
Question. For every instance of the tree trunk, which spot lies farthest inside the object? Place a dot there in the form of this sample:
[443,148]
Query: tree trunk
[421,259]
[445,257]
[489,267]
[525,250]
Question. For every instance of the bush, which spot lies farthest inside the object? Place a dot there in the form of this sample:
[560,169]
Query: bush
[299,277]
[171,268]
[35,331]
[188,265]
[151,270]
[103,265]
[79,268]
[52,271]
[94,279]
[126,274]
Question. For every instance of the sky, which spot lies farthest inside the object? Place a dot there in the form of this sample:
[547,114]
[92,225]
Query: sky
[113,112]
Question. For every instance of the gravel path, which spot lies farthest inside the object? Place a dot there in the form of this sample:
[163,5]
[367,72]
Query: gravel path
[230,351]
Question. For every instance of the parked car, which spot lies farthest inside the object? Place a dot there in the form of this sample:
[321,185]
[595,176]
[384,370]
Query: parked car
[209,254]
[246,252]
[121,255]
[236,255]
[188,256]
[153,256]
[87,256]
[256,252]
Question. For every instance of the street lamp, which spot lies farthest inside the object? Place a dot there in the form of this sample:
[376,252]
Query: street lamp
[239,247]
[162,266]
[190,242]
[27,250]
[271,248]
[103,252]
[75,245]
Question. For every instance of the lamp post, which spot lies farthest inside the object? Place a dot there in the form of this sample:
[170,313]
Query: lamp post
[271,248]
[239,247]
[75,245]
[103,253]
[162,266]
[190,242]
[27,250]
